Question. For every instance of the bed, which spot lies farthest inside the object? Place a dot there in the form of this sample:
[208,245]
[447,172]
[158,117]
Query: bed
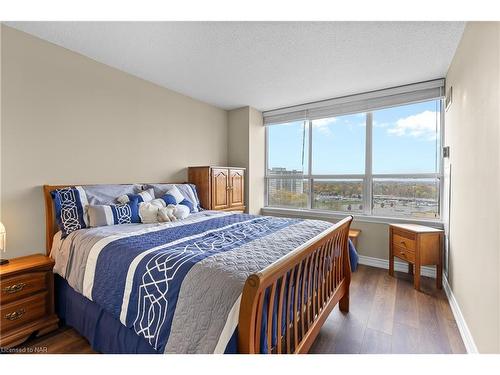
[215,282]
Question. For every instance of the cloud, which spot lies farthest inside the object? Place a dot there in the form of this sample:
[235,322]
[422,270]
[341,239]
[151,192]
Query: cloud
[322,125]
[421,125]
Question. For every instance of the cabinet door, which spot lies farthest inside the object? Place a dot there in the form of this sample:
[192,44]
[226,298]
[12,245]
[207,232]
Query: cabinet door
[220,189]
[237,187]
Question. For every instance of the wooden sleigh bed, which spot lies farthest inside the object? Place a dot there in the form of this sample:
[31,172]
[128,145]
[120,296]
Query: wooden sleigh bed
[315,277]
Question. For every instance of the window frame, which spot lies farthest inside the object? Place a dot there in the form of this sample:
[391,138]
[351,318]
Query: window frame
[368,177]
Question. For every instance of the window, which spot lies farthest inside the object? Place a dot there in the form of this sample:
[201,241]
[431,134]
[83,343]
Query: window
[406,139]
[383,162]
[338,195]
[335,137]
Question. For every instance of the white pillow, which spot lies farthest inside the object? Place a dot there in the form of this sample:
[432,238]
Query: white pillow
[181,211]
[173,191]
[148,213]
[166,214]
[158,202]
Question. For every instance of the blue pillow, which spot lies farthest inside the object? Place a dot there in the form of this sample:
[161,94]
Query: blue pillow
[188,204]
[70,204]
[126,213]
[169,199]
[143,196]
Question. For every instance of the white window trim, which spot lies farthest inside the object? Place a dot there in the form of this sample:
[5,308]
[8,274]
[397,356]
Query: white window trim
[367,177]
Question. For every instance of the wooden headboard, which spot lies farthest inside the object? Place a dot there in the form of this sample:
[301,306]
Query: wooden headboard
[51,227]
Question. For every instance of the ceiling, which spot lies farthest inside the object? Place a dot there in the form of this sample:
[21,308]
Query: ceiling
[265,65]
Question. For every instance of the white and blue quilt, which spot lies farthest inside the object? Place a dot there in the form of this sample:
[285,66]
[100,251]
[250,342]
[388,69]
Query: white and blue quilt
[178,285]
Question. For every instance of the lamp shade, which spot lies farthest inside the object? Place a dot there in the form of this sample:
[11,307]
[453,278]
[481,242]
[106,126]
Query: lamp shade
[2,237]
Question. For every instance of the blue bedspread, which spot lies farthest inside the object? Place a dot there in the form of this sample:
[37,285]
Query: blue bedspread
[178,286]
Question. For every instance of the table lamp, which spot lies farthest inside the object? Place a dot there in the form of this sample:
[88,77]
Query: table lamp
[3,238]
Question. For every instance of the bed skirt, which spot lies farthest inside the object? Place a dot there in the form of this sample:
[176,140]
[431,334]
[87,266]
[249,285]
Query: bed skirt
[104,333]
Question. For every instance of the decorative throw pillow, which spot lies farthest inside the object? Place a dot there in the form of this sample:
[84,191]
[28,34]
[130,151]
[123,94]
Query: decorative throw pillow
[158,202]
[102,215]
[169,200]
[70,205]
[143,196]
[188,204]
[192,196]
[148,212]
[173,196]
[181,212]
[187,190]
[166,214]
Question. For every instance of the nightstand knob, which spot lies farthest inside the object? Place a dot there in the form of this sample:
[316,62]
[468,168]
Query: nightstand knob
[15,314]
[14,288]
[403,243]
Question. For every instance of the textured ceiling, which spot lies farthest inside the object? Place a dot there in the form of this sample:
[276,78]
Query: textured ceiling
[266,65]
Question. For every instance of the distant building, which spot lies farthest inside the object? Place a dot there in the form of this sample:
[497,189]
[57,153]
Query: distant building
[287,183]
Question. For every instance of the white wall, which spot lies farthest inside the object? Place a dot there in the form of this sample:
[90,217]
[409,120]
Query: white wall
[1,28]
[67,119]
[238,143]
[257,154]
[246,148]
[472,132]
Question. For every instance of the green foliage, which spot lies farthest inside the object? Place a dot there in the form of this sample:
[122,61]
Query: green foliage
[404,189]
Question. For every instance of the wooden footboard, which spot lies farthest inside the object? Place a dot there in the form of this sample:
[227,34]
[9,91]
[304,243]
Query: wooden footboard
[300,289]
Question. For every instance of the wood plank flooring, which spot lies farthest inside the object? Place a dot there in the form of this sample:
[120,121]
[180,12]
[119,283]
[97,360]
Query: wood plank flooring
[387,316]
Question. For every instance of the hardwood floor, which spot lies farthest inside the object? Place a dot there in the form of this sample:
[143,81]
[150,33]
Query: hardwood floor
[386,316]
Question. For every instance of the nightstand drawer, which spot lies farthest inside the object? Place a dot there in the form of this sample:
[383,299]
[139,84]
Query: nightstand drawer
[404,242]
[16,287]
[404,253]
[23,311]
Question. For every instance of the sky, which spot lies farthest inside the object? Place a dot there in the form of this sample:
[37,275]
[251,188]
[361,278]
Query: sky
[404,141]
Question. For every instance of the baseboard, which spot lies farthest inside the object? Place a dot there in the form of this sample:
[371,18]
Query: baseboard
[398,266]
[467,338]
[469,343]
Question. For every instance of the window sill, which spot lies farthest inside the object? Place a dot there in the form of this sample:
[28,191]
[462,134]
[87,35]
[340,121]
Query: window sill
[318,214]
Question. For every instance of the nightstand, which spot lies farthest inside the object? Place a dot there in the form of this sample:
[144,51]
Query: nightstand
[26,299]
[418,245]
[353,236]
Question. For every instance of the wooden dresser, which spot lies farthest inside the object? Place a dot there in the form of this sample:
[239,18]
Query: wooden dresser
[419,246]
[26,299]
[219,188]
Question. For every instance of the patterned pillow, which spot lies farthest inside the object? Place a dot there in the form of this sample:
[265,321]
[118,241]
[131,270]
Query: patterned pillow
[102,215]
[143,196]
[193,194]
[70,205]
[188,204]
[173,196]
[187,190]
